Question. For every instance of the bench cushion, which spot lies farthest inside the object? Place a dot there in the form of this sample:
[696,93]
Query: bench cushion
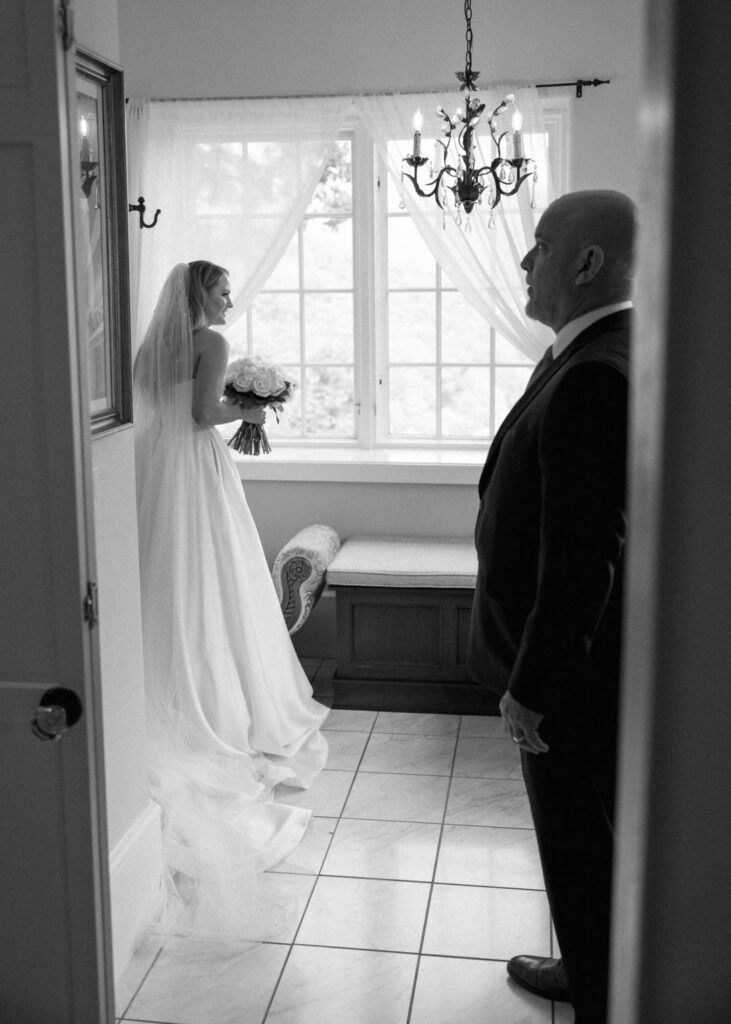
[404,562]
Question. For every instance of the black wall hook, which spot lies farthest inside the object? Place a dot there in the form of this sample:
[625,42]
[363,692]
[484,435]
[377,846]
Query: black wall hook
[141,209]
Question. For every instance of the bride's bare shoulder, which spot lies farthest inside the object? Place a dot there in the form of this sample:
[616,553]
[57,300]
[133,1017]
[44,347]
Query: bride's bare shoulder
[206,341]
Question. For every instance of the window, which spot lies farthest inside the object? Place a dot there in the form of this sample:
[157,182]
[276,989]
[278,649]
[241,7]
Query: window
[447,377]
[303,316]
[386,350]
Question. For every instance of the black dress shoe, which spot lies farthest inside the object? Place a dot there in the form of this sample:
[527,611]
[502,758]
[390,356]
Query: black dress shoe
[541,975]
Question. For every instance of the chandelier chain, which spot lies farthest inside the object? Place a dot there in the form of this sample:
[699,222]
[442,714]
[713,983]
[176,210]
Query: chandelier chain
[468,36]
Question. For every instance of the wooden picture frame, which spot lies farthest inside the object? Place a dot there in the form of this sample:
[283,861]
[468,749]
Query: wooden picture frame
[104,256]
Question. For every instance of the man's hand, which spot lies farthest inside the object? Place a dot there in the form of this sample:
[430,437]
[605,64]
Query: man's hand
[521,724]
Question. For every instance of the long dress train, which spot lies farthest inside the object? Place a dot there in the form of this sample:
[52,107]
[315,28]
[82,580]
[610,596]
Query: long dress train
[230,710]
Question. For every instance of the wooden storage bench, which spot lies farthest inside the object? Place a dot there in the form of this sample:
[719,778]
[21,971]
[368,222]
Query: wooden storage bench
[403,612]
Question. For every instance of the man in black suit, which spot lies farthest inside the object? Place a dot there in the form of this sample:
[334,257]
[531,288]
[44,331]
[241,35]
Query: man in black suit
[547,616]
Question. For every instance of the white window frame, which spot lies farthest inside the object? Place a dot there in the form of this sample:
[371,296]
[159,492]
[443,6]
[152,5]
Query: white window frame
[368,456]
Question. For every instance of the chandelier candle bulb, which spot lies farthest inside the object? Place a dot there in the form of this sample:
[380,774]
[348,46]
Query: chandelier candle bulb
[418,125]
[517,124]
[85,149]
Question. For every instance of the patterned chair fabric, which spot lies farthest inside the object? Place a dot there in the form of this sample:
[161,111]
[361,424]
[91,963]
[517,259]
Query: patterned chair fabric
[299,572]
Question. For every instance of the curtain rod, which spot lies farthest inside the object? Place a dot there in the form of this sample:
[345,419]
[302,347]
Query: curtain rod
[579,84]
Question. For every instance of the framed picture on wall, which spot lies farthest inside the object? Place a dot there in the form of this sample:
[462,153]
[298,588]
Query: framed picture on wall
[104,260]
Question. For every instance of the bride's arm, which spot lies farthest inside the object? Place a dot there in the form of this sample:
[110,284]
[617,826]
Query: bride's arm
[211,355]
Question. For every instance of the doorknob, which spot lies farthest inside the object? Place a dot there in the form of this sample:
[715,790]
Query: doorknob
[58,710]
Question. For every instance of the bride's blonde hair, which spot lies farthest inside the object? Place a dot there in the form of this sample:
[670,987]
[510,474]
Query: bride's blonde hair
[202,276]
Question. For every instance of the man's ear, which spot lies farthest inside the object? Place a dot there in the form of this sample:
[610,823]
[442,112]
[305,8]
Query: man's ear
[589,262]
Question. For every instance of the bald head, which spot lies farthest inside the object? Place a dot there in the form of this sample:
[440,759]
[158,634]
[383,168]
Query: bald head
[583,257]
[605,219]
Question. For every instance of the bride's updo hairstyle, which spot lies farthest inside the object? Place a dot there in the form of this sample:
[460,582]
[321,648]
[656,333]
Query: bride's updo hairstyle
[202,276]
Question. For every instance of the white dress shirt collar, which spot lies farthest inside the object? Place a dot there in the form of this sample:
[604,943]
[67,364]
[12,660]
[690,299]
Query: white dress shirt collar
[574,328]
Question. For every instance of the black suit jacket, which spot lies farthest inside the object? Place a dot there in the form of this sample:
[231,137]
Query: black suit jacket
[551,528]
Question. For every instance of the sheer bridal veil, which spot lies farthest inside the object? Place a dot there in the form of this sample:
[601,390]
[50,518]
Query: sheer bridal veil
[220,826]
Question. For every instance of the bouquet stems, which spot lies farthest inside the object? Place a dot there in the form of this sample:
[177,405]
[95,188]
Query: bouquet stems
[250,439]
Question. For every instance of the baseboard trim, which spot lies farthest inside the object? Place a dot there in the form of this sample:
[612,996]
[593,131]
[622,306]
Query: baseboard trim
[135,870]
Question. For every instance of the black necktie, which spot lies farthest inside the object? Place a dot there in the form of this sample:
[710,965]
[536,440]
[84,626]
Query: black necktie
[543,363]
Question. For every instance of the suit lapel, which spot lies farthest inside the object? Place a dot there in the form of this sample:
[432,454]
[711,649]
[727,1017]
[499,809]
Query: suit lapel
[612,322]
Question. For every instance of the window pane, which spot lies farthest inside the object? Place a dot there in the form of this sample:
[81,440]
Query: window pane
[510,383]
[329,328]
[412,401]
[394,194]
[411,327]
[237,340]
[410,264]
[269,171]
[286,274]
[328,253]
[446,280]
[394,190]
[290,419]
[531,144]
[215,240]
[219,172]
[329,401]
[465,334]
[334,192]
[466,401]
[506,352]
[275,327]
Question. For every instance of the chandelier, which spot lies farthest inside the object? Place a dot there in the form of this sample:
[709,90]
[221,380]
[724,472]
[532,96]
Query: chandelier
[463,178]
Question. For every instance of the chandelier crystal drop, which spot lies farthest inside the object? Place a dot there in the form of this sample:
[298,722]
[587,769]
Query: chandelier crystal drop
[455,169]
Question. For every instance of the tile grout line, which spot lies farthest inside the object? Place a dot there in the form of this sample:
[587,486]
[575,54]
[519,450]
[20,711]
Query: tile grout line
[419,881]
[395,952]
[142,982]
[434,873]
[318,875]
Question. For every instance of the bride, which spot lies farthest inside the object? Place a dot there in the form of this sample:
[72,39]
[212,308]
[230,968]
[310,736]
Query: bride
[230,711]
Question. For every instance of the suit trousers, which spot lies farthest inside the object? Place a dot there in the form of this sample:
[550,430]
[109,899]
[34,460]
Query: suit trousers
[571,790]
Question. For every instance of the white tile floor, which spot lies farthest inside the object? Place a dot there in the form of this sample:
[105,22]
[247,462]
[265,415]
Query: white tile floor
[418,878]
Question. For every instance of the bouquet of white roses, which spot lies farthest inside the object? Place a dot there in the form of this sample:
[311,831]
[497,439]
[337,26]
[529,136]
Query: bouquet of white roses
[264,383]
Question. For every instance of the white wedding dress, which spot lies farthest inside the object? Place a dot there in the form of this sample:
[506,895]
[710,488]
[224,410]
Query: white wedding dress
[230,710]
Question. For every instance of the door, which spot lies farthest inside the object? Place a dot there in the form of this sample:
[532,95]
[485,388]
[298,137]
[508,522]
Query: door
[54,924]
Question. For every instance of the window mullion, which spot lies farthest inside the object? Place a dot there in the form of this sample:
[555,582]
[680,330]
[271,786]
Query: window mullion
[438,341]
[381,301]
[364,300]
[303,322]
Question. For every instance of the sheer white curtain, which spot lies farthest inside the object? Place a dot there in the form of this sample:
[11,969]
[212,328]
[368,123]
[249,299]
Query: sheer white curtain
[482,262]
[233,179]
